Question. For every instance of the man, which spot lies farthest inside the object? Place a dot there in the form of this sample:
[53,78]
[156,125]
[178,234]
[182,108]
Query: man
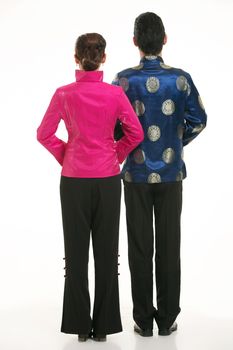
[172,115]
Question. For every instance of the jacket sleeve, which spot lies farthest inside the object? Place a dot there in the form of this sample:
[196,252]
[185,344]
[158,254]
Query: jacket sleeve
[195,116]
[131,127]
[48,127]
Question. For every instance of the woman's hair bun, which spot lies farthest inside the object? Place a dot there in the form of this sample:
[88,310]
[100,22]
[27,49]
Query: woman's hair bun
[89,50]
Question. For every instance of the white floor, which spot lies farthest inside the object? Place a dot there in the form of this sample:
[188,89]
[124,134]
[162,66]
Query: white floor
[38,328]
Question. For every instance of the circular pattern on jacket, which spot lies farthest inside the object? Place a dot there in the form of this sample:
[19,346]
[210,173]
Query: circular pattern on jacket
[154,178]
[198,128]
[152,84]
[182,154]
[116,79]
[168,107]
[139,156]
[124,83]
[179,176]
[188,89]
[128,177]
[139,107]
[180,131]
[165,66]
[181,83]
[153,133]
[200,102]
[168,155]
[140,66]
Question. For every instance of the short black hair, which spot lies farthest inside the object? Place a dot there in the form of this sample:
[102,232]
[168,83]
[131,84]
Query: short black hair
[149,33]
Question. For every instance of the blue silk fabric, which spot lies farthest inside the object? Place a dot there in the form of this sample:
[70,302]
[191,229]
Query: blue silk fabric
[171,113]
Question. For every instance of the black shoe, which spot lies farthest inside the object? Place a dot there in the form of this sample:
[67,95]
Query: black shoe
[143,332]
[168,331]
[83,337]
[99,337]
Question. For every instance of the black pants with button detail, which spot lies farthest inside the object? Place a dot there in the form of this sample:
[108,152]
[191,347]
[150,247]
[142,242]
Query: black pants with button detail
[162,203]
[91,207]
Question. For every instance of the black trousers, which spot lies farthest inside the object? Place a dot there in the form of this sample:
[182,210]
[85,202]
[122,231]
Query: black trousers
[162,202]
[91,206]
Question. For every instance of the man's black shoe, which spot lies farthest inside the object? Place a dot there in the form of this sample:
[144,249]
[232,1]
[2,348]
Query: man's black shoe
[143,332]
[168,331]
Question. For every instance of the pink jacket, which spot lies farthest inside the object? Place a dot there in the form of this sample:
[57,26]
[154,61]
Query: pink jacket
[90,109]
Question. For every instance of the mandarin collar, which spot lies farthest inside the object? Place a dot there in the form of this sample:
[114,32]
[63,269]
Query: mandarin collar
[151,59]
[93,75]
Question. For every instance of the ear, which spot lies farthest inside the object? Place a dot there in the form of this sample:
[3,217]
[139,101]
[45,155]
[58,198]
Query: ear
[76,59]
[104,58]
[135,41]
[165,39]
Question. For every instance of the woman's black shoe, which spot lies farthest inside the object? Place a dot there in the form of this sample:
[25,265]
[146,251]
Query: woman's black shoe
[83,337]
[99,337]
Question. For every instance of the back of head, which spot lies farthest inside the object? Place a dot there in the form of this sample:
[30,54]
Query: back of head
[90,50]
[149,33]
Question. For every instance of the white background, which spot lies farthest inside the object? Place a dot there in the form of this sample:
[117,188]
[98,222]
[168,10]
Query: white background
[36,53]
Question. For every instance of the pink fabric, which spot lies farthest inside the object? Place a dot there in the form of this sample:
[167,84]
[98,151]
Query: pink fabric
[90,109]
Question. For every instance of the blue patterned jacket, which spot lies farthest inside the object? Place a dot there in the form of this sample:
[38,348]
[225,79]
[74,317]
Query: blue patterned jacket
[171,112]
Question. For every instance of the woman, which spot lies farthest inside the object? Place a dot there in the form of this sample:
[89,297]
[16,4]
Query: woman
[90,186]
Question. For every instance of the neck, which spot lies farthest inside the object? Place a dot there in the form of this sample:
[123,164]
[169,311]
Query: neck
[80,67]
[142,54]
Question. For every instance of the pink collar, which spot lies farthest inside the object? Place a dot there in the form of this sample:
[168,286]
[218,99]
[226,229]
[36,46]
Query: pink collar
[82,75]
